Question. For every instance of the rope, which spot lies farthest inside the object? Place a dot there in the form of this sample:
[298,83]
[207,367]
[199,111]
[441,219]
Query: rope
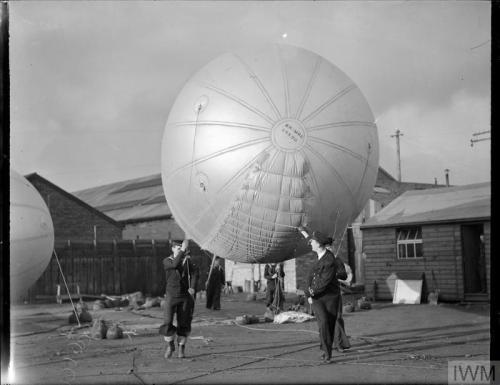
[277,330]
[335,225]
[67,289]
[340,243]
[189,275]
[194,144]
[210,271]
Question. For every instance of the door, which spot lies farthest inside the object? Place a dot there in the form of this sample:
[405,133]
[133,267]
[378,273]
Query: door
[473,257]
[351,249]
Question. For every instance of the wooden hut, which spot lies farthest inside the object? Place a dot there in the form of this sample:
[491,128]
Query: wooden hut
[441,235]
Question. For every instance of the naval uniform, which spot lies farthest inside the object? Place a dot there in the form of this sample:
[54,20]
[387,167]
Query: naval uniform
[323,287]
[214,286]
[181,274]
[269,271]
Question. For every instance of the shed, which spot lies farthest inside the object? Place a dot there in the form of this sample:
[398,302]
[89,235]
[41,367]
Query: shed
[73,218]
[442,233]
[138,204]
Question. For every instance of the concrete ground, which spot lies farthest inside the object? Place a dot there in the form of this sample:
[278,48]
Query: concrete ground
[390,344]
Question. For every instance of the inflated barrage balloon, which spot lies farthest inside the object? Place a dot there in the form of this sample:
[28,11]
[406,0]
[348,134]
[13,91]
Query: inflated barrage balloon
[259,143]
[31,235]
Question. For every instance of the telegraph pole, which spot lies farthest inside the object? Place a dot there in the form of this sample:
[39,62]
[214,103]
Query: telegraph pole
[397,135]
[479,139]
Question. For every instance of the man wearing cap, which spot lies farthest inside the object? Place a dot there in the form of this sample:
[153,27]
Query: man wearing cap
[181,277]
[323,290]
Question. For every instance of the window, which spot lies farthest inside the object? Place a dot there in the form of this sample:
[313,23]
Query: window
[409,242]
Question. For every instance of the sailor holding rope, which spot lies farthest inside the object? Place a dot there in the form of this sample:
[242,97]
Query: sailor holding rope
[274,274]
[181,277]
[323,290]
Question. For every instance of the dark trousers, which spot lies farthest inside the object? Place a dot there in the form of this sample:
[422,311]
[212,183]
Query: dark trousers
[270,289]
[340,339]
[183,307]
[325,309]
[213,296]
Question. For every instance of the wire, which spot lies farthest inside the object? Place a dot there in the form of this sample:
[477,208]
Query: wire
[276,330]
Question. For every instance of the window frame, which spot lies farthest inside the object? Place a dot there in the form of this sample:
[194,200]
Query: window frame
[412,237]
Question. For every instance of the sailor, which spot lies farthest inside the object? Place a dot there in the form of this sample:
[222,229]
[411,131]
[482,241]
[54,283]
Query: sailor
[323,290]
[215,283]
[274,274]
[181,277]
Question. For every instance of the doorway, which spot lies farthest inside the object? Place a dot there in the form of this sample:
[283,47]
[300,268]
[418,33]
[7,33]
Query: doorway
[473,256]
[351,250]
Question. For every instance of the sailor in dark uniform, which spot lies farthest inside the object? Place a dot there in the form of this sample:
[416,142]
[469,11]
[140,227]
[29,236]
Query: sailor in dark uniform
[215,283]
[274,274]
[181,277]
[323,290]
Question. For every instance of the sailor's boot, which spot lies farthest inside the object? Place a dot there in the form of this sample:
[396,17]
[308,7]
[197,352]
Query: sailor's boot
[170,346]
[182,346]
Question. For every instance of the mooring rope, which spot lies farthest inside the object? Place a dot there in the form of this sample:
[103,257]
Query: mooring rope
[67,289]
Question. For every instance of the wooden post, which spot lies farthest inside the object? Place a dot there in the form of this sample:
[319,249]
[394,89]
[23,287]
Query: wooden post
[252,280]
[116,268]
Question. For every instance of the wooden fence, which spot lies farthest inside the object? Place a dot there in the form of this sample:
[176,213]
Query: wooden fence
[112,268]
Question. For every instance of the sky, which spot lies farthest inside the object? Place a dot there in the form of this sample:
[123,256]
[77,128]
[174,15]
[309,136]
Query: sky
[92,83]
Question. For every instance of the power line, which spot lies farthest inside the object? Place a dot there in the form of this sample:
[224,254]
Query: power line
[477,134]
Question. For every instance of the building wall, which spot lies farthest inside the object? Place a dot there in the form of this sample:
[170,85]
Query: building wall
[156,229]
[73,221]
[238,273]
[441,264]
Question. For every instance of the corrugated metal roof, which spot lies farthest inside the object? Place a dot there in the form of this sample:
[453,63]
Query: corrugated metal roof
[436,205]
[141,199]
[132,200]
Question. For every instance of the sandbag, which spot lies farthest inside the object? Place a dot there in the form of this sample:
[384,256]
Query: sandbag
[98,305]
[85,316]
[114,332]
[136,297]
[81,306]
[364,304]
[99,329]
[268,316]
[242,320]
[72,318]
[151,302]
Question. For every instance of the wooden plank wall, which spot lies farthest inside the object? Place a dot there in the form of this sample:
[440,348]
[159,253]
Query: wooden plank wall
[441,264]
[112,268]
[487,247]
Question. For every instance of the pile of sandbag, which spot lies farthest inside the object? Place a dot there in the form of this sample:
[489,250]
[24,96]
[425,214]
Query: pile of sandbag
[137,301]
[107,301]
[133,301]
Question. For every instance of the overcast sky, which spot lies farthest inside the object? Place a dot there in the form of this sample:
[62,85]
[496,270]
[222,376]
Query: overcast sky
[92,83]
